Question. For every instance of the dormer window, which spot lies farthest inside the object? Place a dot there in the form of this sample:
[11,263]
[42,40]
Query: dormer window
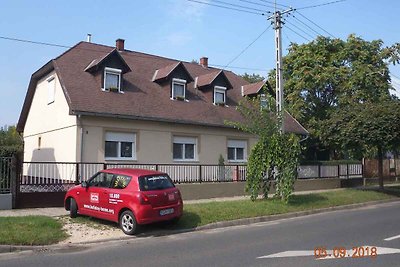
[219,95]
[112,80]
[178,89]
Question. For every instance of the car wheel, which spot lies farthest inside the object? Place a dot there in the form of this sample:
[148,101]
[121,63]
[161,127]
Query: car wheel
[127,222]
[73,208]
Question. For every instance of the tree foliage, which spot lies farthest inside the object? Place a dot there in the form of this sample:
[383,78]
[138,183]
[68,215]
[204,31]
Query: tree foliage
[327,75]
[10,141]
[252,78]
[364,127]
[274,158]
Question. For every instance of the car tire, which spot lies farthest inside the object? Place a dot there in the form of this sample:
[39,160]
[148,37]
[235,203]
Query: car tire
[73,208]
[127,222]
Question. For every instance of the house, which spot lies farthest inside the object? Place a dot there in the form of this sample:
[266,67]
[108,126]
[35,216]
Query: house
[96,103]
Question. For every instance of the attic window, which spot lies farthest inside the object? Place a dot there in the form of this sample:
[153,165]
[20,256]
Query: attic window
[178,89]
[219,95]
[112,80]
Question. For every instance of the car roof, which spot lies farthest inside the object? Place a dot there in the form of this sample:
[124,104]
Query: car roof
[132,172]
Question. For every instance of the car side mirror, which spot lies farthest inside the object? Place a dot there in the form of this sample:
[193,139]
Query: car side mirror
[84,184]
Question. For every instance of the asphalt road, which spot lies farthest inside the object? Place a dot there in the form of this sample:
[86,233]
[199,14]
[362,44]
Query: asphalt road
[288,242]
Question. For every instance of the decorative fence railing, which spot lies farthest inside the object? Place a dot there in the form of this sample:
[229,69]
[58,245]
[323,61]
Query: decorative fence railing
[5,175]
[64,174]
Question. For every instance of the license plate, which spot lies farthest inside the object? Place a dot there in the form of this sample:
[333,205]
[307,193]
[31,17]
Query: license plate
[166,211]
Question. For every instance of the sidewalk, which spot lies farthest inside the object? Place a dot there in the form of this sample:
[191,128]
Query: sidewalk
[60,211]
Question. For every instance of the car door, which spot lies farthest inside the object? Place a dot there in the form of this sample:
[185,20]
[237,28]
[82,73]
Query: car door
[118,195]
[95,197]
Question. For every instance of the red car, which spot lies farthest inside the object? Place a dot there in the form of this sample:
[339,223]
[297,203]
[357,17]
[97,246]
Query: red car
[126,196]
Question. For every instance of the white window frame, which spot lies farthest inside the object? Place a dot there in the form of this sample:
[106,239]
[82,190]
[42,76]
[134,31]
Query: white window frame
[222,90]
[237,143]
[120,137]
[185,140]
[115,72]
[180,82]
[51,90]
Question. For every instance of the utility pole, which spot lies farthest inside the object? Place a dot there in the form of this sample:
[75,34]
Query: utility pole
[277,21]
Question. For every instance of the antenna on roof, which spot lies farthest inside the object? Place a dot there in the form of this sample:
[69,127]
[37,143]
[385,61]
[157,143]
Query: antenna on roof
[89,38]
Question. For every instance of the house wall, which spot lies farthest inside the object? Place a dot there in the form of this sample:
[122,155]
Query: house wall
[154,139]
[51,124]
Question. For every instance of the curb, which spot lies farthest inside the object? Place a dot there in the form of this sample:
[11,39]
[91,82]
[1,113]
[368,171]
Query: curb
[239,222]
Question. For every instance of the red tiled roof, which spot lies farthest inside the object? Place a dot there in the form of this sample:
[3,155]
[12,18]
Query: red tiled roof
[253,88]
[208,79]
[166,71]
[142,98]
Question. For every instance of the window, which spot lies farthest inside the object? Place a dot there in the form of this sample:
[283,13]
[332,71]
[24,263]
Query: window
[120,146]
[112,80]
[121,181]
[219,95]
[178,89]
[237,150]
[51,90]
[101,179]
[158,182]
[185,148]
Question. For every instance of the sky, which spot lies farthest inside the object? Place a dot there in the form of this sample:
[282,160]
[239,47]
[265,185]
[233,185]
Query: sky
[178,29]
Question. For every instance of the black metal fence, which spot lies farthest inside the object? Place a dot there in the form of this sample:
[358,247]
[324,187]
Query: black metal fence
[64,174]
[5,175]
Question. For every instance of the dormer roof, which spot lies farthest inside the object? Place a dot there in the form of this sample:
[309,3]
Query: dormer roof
[208,79]
[96,64]
[167,71]
[253,88]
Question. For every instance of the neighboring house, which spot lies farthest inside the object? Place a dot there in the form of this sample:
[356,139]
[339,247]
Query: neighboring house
[96,103]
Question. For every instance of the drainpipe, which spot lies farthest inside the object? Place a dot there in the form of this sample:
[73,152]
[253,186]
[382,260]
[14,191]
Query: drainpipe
[81,132]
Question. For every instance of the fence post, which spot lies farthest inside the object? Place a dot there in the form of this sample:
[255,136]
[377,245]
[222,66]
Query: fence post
[14,181]
[156,167]
[319,170]
[338,171]
[104,166]
[77,173]
[348,176]
[200,174]
[237,173]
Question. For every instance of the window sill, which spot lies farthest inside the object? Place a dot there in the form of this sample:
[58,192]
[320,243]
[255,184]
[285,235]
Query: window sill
[237,161]
[120,159]
[177,99]
[112,91]
[186,160]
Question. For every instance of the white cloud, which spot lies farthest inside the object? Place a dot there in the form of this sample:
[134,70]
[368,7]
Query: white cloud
[190,11]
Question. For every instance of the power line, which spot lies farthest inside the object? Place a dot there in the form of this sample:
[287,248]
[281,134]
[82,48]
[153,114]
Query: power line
[99,50]
[305,24]
[247,47]
[315,24]
[300,29]
[234,67]
[271,2]
[226,7]
[391,74]
[324,4]
[33,42]
[240,6]
[297,33]
[255,3]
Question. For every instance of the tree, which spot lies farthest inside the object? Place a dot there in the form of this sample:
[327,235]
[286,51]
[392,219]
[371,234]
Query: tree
[366,126]
[252,78]
[327,75]
[274,157]
[10,141]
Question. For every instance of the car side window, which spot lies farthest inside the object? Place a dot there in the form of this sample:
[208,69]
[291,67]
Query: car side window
[101,180]
[121,181]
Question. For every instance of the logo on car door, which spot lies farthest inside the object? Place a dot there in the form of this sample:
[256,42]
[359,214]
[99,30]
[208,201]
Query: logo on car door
[94,197]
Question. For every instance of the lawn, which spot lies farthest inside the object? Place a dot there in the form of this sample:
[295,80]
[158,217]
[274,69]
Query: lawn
[201,214]
[30,230]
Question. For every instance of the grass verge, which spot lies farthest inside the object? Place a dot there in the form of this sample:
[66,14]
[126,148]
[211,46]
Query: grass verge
[201,214]
[30,230]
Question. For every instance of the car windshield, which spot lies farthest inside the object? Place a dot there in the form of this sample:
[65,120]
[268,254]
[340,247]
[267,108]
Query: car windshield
[155,182]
